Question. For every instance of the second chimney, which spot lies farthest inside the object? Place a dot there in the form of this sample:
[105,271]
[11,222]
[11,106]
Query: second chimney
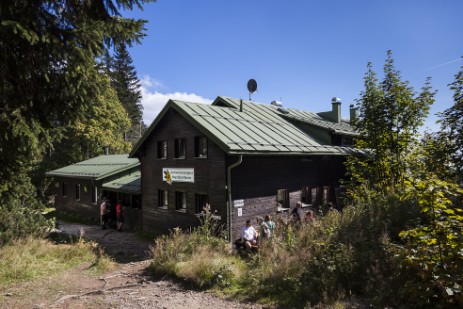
[336,109]
[353,113]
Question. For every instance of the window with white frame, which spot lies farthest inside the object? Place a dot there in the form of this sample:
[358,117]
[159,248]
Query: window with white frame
[162,149]
[78,192]
[180,200]
[180,148]
[163,198]
[201,147]
[94,195]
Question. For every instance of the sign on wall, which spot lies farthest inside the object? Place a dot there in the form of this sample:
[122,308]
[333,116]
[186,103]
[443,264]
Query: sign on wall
[238,203]
[240,212]
[171,175]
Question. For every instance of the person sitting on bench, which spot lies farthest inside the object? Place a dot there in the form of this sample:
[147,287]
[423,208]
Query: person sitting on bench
[249,236]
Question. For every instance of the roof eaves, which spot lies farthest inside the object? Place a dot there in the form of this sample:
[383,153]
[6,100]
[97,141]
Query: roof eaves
[119,170]
[72,175]
[348,133]
[147,133]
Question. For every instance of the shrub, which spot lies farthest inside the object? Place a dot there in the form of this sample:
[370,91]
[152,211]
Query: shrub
[19,220]
[432,259]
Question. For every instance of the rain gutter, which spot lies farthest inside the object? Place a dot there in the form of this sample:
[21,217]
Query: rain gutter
[229,203]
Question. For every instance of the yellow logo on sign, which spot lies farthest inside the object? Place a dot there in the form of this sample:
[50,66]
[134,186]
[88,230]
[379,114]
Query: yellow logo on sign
[168,177]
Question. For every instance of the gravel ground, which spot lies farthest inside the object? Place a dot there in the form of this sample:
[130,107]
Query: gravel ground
[129,286]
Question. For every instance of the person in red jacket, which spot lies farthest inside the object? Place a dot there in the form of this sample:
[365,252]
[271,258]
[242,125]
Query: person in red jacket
[119,216]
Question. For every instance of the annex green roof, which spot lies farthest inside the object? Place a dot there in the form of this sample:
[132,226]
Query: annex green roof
[130,184]
[97,168]
[258,129]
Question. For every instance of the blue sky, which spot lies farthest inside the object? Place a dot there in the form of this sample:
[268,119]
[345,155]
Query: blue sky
[300,52]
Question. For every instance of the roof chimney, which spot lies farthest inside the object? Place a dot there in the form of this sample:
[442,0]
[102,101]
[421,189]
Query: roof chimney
[336,109]
[353,113]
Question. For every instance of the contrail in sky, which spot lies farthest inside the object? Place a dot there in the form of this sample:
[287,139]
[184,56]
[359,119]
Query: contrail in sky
[442,64]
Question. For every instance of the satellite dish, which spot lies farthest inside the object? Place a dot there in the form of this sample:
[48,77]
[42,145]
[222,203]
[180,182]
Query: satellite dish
[252,87]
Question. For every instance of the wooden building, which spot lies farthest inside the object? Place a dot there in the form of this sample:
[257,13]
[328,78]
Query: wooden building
[79,187]
[243,158]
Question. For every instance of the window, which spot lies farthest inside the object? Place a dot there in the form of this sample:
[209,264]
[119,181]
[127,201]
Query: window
[163,198]
[162,150]
[283,198]
[180,200]
[65,189]
[180,148]
[316,198]
[94,195]
[201,147]
[77,192]
[200,202]
[306,195]
[347,141]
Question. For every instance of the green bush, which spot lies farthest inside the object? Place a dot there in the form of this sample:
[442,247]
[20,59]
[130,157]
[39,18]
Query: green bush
[22,219]
[432,257]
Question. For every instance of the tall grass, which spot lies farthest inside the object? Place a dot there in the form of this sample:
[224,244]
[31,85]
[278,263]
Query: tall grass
[200,257]
[31,258]
[354,254]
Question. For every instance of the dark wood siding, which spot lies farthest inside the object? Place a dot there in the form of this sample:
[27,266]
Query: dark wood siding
[209,176]
[70,204]
[84,206]
[258,178]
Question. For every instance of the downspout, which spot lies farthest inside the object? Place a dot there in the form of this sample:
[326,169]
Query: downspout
[229,203]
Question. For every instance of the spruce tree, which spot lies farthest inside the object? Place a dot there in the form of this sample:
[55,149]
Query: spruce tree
[452,123]
[127,85]
[49,77]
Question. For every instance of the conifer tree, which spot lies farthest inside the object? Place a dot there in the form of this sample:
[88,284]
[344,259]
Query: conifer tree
[127,85]
[452,123]
[49,77]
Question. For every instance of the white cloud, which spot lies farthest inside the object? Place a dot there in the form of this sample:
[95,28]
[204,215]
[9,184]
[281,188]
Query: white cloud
[149,82]
[154,101]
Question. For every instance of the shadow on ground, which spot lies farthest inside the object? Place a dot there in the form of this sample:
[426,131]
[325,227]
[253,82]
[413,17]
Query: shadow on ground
[123,247]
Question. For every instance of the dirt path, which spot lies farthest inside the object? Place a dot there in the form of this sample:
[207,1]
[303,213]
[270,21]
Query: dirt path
[129,286]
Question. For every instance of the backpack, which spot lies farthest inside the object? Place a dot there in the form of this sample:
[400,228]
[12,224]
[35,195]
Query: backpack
[266,233]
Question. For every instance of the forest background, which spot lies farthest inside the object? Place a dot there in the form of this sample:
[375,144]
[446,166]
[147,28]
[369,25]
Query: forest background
[69,89]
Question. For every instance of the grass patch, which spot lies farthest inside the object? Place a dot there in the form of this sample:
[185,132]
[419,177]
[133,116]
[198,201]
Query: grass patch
[29,259]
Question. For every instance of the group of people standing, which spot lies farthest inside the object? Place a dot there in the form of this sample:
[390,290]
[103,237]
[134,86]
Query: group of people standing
[298,217]
[251,236]
[107,217]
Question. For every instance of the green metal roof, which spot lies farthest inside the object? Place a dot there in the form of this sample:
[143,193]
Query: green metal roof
[97,168]
[258,129]
[127,184]
[294,114]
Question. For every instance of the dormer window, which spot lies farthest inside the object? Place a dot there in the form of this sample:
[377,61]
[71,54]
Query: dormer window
[347,141]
